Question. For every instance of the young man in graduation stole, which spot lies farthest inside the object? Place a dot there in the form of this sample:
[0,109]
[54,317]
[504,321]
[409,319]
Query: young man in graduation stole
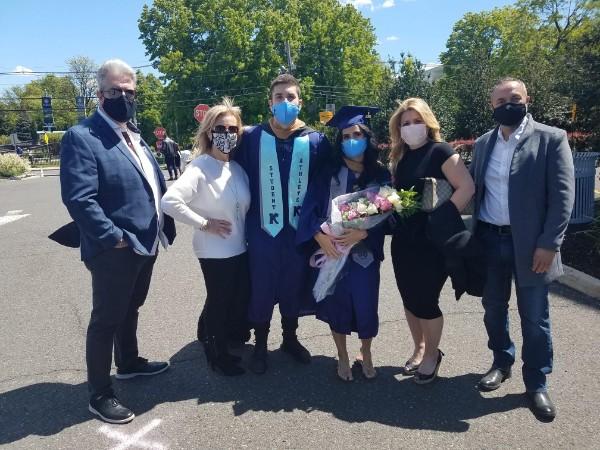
[280,157]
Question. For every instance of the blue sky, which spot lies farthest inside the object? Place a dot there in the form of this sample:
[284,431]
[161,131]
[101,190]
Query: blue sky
[41,35]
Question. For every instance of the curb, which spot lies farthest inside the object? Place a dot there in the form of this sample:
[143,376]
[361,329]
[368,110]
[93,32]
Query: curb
[581,282]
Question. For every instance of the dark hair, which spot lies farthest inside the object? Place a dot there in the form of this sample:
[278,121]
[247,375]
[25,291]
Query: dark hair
[503,80]
[284,78]
[371,164]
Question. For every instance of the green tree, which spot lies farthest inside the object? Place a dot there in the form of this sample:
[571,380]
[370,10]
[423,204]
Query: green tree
[208,49]
[150,106]
[406,77]
[83,77]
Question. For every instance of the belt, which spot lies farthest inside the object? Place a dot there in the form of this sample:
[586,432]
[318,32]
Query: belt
[500,229]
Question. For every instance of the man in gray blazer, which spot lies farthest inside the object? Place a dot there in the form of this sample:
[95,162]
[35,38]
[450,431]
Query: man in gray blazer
[524,177]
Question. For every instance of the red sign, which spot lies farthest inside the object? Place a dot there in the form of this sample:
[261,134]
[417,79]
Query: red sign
[160,133]
[159,145]
[200,112]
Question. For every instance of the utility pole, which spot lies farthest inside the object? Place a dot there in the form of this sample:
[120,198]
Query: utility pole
[288,54]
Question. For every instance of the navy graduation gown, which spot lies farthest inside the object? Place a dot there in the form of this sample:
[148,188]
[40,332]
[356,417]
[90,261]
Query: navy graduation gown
[279,270]
[354,303]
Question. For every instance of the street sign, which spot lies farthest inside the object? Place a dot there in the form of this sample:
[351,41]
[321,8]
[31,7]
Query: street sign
[325,116]
[160,133]
[47,112]
[200,112]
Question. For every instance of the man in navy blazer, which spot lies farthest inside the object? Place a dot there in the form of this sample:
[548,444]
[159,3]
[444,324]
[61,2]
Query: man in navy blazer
[524,179]
[112,187]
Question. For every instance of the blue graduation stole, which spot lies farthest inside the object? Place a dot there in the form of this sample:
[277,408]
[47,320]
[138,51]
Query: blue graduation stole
[271,197]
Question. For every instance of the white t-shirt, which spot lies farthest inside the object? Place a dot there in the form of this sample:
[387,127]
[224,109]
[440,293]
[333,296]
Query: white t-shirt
[214,189]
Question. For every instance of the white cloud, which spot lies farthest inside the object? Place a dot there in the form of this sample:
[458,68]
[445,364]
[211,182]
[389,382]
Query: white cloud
[388,4]
[22,70]
[392,38]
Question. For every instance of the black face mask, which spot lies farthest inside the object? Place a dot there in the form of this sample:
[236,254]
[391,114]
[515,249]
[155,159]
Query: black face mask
[510,114]
[120,109]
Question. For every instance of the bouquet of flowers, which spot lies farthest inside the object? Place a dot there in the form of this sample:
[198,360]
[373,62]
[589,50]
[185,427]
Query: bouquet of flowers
[360,210]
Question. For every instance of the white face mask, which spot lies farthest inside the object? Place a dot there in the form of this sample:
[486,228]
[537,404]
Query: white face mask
[414,135]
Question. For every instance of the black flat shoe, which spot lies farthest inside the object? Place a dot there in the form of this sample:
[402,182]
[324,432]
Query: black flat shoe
[141,368]
[541,406]
[110,409]
[421,378]
[296,350]
[493,379]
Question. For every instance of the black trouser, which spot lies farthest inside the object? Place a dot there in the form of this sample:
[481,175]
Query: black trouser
[120,283]
[173,166]
[225,311]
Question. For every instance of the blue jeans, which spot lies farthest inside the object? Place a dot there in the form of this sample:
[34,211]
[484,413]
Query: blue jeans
[532,303]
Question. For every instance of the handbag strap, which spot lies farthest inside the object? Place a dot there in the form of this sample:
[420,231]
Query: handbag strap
[422,167]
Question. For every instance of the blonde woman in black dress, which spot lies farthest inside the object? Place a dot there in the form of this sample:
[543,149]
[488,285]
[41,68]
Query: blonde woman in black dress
[417,151]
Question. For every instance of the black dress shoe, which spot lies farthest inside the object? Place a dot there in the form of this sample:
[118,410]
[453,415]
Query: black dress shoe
[493,379]
[110,409]
[141,368]
[258,360]
[296,350]
[421,378]
[541,406]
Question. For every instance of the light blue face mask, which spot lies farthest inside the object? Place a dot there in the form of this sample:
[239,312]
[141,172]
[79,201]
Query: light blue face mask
[285,112]
[353,148]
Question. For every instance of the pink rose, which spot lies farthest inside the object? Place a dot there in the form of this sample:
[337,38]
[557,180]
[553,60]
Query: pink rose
[352,215]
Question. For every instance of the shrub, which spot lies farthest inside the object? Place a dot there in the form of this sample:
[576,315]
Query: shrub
[12,165]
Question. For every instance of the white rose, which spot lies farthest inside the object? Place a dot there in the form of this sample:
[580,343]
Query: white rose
[361,208]
[372,210]
[386,191]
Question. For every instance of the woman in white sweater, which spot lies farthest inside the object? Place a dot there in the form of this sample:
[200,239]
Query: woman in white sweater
[212,195]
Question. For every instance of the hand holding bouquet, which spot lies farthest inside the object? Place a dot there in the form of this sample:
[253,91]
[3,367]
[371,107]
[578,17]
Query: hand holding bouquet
[360,210]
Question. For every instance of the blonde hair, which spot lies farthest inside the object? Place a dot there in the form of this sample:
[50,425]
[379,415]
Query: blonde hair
[398,146]
[202,143]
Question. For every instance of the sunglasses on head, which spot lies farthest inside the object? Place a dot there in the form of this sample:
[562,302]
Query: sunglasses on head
[224,129]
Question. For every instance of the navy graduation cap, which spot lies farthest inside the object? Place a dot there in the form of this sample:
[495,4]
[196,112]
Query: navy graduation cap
[348,116]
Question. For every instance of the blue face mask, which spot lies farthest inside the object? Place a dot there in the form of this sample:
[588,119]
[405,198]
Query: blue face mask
[353,148]
[285,112]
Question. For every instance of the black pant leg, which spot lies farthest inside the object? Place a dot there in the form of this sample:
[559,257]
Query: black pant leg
[220,288]
[114,274]
[126,345]
[239,327]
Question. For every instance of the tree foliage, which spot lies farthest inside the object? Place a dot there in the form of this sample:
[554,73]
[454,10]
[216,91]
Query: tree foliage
[150,106]
[208,49]
[83,76]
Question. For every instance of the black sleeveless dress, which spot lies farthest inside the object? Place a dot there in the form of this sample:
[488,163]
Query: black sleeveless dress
[418,266]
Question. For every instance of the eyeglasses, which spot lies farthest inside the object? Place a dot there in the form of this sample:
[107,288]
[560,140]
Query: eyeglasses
[224,129]
[116,93]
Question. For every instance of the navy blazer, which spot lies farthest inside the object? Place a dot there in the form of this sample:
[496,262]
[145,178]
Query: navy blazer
[105,191]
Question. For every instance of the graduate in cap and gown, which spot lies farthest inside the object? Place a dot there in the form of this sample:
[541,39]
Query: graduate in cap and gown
[353,305]
[280,157]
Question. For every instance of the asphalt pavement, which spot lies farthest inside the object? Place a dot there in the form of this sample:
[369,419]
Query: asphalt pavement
[45,298]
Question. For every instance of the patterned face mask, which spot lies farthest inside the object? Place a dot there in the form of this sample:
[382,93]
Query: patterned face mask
[225,142]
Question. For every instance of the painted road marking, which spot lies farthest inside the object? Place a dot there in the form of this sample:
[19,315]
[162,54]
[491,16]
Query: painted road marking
[12,216]
[134,440]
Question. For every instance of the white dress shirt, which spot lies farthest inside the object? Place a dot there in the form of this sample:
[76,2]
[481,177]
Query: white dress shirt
[142,158]
[494,208]
[210,188]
